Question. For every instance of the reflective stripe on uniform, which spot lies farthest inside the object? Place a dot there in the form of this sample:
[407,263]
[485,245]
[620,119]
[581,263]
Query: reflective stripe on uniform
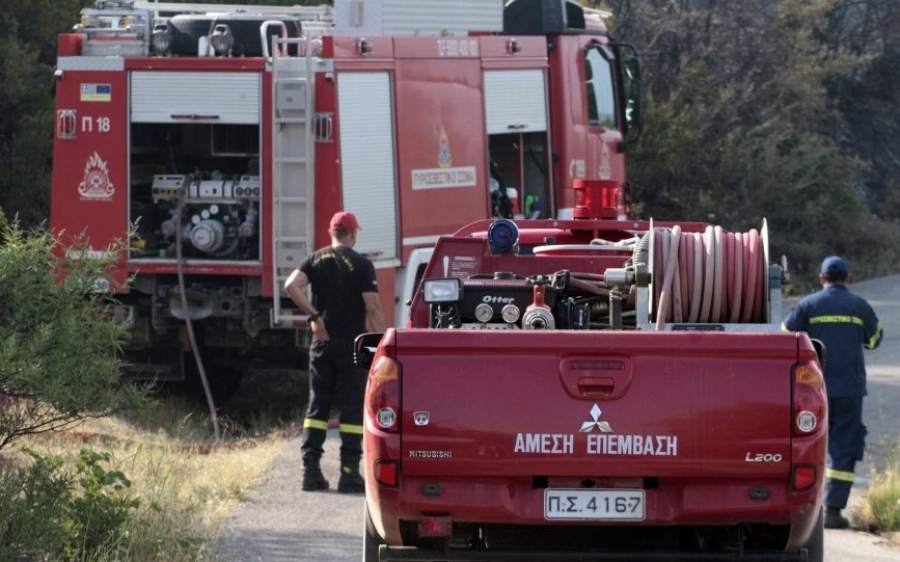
[310,423]
[839,475]
[837,320]
[876,339]
[349,428]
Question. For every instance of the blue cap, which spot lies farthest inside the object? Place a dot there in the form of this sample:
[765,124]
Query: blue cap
[834,264]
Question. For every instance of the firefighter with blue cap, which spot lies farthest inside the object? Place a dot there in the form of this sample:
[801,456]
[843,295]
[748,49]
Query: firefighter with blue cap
[846,324]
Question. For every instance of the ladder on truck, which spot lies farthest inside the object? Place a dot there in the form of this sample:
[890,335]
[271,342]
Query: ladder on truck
[293,167]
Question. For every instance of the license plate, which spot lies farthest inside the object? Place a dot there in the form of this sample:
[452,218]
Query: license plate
[582,504]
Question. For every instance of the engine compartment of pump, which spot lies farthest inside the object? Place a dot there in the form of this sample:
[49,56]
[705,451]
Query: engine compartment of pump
[195,186]
[598,275]
[562,300]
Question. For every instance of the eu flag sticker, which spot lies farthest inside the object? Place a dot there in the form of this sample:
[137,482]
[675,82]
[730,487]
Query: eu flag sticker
[96,92]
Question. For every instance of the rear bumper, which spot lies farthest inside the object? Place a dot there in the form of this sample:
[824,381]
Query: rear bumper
[397,554]
[717,499]
[723,508]
[669,501]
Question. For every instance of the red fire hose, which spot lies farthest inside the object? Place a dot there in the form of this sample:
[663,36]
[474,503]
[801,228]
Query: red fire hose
[714,277]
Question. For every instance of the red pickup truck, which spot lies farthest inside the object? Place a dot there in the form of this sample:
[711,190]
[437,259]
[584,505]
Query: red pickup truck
[594,390]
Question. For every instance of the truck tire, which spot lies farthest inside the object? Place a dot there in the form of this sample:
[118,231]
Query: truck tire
[371,539]
[815,546]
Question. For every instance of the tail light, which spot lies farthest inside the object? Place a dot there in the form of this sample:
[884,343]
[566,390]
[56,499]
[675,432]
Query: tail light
[810,402]
[387,472]
[805,476]
[383,395]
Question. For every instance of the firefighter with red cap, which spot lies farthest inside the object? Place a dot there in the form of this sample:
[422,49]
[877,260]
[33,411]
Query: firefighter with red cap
[846,324]
[344,304]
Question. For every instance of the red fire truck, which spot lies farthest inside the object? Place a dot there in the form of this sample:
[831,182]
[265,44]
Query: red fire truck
[217,140]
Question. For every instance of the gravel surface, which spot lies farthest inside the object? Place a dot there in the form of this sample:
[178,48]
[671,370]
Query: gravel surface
[279,521]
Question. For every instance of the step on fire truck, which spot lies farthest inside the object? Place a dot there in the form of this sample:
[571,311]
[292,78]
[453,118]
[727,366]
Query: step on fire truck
[217,140]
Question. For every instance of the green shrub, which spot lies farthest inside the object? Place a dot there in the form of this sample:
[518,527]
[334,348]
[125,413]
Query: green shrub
[49,513]
[32,508]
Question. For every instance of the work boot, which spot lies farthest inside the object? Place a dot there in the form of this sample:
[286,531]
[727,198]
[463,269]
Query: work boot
[834,519]
[351,481]
[313,479]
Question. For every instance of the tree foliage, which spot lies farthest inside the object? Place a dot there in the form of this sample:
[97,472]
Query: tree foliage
[59,350]
[27,58]
[747,120]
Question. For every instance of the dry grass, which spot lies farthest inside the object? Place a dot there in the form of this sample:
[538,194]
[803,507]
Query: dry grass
[882,507]
[187,485]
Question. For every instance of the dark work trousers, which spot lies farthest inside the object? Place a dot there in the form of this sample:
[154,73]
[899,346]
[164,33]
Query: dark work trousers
[335,381]
[846,443]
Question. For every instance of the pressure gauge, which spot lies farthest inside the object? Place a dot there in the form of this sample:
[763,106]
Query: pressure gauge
[510,313]
[484,312]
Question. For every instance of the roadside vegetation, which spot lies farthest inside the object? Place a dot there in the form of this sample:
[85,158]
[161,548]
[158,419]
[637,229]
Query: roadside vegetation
[93,468]
[118,490]
[882,507]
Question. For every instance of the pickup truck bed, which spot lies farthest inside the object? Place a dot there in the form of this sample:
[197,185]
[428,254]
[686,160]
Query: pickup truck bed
[665,437]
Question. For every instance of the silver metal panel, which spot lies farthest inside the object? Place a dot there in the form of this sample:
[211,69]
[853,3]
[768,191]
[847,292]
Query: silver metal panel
[515,101]
[732,328]
[103,48]
[207,97]
[90,63]
[422,18]
[310,12]
[366,128]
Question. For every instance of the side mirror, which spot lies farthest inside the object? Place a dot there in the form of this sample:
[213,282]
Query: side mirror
[364,347]
[632,90]
[820,351]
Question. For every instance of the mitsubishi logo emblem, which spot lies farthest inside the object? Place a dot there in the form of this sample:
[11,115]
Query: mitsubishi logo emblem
[421,418]
[588,426]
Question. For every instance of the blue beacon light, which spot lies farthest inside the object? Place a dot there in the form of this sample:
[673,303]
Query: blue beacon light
[503,237]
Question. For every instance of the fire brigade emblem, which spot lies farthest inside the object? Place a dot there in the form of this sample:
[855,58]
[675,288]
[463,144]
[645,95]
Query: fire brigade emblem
[96,184]
[445,159]
[595,423]
[605,170]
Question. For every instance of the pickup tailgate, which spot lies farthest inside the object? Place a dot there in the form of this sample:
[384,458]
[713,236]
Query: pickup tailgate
[587,404]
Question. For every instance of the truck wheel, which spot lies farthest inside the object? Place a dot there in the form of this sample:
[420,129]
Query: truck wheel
[371,539]
[815,546]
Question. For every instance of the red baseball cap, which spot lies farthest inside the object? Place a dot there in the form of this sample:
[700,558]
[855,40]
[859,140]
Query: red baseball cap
[344,221]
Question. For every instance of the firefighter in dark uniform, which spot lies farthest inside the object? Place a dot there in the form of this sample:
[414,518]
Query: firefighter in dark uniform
[846,324]
[344,303]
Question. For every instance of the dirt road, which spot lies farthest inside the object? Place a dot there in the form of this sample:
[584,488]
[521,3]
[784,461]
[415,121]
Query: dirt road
[280,522]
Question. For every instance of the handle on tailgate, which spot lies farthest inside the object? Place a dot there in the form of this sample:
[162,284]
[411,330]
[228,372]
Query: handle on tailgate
[596,387]
[592,379]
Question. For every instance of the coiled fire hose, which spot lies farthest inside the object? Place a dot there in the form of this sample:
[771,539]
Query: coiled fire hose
[713,277]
